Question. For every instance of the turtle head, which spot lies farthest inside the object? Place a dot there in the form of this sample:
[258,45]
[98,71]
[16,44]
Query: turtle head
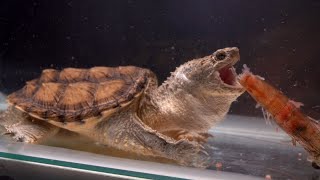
[213,74]
[199,93]
[209,85]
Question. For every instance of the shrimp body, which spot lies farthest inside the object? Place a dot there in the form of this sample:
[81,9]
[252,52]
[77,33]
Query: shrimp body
[285,112]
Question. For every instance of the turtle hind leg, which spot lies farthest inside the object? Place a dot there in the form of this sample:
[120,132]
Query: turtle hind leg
[30,132]
[23,128]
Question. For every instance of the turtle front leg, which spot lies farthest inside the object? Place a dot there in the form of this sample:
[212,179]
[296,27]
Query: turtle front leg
[23,128]
[127,132]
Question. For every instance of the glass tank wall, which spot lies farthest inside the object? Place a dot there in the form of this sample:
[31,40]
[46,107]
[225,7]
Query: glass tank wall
[278,40]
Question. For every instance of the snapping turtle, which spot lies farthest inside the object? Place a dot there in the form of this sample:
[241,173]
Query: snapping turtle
[123,107]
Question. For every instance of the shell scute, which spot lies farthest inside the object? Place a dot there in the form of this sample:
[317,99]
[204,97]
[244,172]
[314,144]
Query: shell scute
[74,94]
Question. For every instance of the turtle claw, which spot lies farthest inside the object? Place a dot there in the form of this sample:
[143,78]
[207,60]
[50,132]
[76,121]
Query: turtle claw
[193,136]
[7,134]
[24,138]
[192,154]
[204,152]
[206,135]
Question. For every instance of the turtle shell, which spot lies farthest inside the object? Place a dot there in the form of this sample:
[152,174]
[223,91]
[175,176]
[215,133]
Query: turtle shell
[75,94]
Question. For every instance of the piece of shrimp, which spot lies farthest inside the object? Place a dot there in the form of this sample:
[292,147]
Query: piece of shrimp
[285,113]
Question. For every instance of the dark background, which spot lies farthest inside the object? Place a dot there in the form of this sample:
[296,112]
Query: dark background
[278,40]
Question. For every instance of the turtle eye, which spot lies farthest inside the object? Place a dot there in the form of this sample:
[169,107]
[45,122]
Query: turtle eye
[220,56]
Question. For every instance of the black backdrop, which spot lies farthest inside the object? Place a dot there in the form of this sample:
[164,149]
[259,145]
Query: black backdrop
[279,40]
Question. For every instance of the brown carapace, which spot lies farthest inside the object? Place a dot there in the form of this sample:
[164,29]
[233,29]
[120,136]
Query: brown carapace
[76,94]
[285,113]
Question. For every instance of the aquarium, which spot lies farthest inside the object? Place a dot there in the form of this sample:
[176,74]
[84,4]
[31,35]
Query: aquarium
[150,89]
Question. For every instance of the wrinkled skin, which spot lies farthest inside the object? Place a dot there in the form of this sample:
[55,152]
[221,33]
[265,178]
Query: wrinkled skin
[194,98]
[169,121]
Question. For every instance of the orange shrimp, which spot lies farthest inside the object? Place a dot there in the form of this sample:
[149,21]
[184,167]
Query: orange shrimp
[285,113]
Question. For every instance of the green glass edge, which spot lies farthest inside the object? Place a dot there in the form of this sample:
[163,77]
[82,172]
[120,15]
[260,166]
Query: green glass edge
[84,166]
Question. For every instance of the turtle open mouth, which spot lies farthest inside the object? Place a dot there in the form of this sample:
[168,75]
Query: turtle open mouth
[228,75]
